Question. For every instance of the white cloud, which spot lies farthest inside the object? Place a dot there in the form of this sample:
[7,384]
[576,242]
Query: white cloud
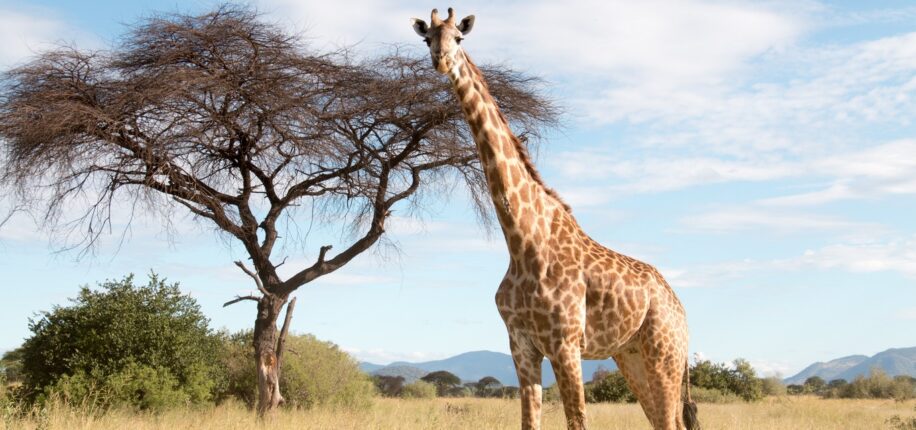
[767,368]
[898,255]
[382,356]
[770,221]
[24,34]
[907,314]
[664,40]
[26,31]
[799,102]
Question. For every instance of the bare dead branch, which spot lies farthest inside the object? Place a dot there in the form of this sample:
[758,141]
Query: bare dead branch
[281,339]
[239,299]
[253,275]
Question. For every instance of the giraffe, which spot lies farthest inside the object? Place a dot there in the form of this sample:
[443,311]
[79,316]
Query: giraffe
[564,296]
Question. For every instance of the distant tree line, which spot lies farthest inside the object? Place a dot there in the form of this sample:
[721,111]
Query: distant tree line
[876,385]
[442,383]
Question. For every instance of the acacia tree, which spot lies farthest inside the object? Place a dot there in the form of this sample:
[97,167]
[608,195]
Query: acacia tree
[236,121]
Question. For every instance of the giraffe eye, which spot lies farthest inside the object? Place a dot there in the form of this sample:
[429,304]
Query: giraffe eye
[458,40]
[428,42]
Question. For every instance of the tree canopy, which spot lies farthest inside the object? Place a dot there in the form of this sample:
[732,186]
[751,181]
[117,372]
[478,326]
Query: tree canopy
[123,331]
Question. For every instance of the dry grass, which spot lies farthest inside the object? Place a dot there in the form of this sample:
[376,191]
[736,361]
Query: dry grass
[478,414]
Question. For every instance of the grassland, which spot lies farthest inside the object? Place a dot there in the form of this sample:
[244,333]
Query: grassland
[479,414]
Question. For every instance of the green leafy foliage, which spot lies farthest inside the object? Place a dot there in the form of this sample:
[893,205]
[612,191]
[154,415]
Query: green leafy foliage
[740,380]
[389,386]
[419,390]
[146,347]
[814,385]
[312,373]
[877,385]
[11,366]
[773,386]
[712,395]
[447,384]
[608,387]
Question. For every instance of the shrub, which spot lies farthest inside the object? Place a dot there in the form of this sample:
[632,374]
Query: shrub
[773,386]
[419,390]
[741,380]
[389,386]
[140,346]
[507,392]
[611,387]
[446,383]
[136,386]
[814,385]
[551,394]
[877,385]
[712,395]
[312,373]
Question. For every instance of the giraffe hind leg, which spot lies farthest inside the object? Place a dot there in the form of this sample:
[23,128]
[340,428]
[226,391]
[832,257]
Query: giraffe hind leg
[631,366]
[656,379]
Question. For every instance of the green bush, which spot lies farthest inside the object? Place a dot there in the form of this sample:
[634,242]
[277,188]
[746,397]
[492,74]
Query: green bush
[610,387]
[740,380]
[878,385]
[312,372]
[136,386]
[144,347]
[773,386]
[551,394]
[712,395]
[419,390]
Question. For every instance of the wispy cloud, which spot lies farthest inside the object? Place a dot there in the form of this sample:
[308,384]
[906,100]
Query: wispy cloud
[382,356]
[896,255]
[26,31]
[770,221]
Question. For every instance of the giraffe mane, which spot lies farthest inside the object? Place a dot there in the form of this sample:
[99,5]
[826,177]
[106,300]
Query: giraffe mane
[520,147]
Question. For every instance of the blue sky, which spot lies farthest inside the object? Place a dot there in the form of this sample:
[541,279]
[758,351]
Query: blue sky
[761,154]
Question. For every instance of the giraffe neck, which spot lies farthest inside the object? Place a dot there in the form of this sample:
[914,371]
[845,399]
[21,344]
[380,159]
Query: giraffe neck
[520,198]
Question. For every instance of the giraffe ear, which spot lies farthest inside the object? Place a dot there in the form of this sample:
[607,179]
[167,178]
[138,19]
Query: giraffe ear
[420,26]
[466,24]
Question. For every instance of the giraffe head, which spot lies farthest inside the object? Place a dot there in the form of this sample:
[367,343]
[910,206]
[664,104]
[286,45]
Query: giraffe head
[444,38]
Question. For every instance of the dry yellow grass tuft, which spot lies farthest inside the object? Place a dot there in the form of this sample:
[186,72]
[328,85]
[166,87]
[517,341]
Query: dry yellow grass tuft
[478,414]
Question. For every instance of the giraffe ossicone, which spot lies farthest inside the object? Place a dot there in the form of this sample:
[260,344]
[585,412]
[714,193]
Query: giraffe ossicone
[564,296]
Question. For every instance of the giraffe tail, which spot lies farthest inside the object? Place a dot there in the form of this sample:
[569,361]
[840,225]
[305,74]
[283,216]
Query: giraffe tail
[690,407]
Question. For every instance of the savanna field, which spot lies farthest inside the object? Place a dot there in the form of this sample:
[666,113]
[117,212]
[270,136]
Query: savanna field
[796,412]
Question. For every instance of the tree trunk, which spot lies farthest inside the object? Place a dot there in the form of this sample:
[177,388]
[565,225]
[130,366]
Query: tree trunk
[265,350]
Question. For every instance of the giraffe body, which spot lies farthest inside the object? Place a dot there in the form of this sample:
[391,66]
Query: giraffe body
[564,296]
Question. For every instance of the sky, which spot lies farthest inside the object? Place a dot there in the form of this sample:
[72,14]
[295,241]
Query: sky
[762,155]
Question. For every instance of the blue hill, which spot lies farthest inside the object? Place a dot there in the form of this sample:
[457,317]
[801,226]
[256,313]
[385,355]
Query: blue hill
[472,366]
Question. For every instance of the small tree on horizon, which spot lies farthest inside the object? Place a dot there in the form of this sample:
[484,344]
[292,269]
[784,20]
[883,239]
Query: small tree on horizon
[444,381]
[233,120]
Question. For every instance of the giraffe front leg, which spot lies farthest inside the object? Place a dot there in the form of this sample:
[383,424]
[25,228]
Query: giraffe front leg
[567,366]
[528,368]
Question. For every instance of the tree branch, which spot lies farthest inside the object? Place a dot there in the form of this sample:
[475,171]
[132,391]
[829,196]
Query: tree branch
[281,340]
[257,279]
[239,299]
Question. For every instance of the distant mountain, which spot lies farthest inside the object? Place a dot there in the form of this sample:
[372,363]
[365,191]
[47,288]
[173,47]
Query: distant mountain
[409,373]
[899,361]
[472,366]
[829,371]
